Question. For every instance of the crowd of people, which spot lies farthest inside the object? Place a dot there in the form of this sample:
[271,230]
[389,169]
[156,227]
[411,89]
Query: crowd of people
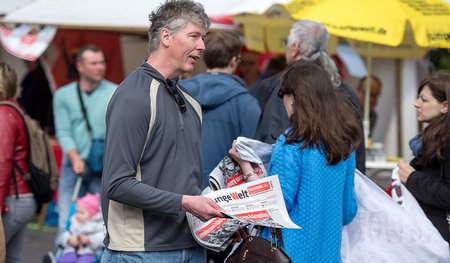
[163,135]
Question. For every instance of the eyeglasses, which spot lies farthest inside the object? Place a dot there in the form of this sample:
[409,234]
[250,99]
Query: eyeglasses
[282,93]
[285,42]
[178,98]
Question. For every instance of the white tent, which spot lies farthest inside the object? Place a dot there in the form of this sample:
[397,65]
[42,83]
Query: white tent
[6,6]
[120,15]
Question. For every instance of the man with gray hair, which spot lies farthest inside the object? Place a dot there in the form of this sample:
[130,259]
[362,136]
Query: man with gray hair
[153,164]
[306,38]
[307,42]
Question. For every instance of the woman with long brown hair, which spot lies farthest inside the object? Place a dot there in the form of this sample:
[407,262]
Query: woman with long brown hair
[427,176]
[17,203]
[315,162]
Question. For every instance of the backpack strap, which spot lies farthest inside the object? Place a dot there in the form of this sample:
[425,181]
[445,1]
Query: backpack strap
[22,114]
[9,103]
[15,166]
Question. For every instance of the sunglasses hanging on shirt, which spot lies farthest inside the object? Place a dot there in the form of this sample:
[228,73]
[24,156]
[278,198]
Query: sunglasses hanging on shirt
[178,98]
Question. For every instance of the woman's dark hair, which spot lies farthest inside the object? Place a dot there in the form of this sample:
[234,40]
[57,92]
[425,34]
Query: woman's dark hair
[320,119]
[434,136]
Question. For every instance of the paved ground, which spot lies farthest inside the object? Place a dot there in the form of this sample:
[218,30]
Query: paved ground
[38,242]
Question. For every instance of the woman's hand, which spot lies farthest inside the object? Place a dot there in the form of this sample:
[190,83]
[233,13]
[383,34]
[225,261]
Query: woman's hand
[235,154]
[246,166]
[404,170]
[240,235]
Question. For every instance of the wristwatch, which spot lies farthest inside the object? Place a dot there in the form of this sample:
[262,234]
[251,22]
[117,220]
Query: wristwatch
[246,176]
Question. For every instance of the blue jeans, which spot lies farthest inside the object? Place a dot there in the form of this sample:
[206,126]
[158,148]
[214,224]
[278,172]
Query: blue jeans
[91,183]
[190,255]
[15,222]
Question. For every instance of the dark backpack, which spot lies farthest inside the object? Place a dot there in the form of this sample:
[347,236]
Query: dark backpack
[43,172]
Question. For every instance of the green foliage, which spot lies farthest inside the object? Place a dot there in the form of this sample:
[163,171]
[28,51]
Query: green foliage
[439,60]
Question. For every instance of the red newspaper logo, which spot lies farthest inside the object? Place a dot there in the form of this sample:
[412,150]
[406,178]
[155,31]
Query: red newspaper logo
[210,227]
[255,215]
[258,188]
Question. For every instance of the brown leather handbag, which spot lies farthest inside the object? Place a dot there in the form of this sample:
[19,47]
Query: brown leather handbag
[256,249]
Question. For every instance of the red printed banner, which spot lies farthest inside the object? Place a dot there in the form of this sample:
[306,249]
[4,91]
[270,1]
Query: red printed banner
[259,188]
[255,215]
[238,179]
[235,180]
[217,222]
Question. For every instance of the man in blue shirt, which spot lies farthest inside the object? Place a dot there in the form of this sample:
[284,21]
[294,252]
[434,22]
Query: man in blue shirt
[72,129]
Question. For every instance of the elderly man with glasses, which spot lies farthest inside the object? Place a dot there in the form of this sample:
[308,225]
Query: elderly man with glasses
[307,41]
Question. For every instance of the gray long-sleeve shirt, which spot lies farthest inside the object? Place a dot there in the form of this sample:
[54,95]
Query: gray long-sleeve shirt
[141,199]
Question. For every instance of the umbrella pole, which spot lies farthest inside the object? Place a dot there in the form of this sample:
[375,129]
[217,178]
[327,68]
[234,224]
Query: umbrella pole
[366,121]
[398,94]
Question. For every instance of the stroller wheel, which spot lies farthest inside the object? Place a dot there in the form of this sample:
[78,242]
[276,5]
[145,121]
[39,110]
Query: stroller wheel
[49,258]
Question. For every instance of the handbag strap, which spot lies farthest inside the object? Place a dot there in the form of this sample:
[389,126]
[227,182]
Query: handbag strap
[276,237]
[83,109]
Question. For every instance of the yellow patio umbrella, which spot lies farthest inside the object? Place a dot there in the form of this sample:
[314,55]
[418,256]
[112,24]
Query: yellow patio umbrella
[380,22]
[267,30]
[408,49]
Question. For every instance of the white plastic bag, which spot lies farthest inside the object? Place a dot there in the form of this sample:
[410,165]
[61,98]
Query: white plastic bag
[385,231]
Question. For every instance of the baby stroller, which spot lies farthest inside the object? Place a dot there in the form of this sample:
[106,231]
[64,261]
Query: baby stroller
[50,257]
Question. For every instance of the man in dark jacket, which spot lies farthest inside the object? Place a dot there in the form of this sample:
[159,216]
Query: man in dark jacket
[307,41]
[152,166]
[228,108]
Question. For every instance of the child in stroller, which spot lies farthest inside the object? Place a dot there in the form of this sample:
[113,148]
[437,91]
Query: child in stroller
[83,241]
